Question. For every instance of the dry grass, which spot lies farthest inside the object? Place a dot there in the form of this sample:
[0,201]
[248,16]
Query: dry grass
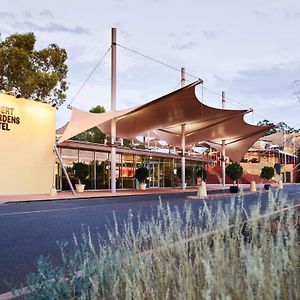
[173,257]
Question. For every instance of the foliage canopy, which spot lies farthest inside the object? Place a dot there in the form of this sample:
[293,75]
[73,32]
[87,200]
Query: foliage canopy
[201,172]
[81,171]
[267,172]
[234,171]
[93,135]
[35,74]
[141,174]
[279,127]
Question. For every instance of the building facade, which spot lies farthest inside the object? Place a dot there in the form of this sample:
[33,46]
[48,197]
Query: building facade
[163,167]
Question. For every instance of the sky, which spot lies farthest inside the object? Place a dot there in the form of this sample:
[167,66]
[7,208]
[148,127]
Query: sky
[249,49]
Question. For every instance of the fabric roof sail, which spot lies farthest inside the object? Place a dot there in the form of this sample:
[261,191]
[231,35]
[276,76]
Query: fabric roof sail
[165,116]
[169,112]
[82,121]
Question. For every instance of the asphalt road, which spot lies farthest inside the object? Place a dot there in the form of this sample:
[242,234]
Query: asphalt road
[29,230]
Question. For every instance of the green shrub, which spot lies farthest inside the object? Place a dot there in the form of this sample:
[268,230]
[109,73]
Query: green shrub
[141,174]
[81,171]
[234,171]
[267,173]
[201,172]
[277,168]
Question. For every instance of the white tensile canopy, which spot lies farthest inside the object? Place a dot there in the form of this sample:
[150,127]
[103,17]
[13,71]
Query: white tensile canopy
[165,116]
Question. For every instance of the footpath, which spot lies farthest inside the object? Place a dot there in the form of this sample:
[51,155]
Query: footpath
[212,190]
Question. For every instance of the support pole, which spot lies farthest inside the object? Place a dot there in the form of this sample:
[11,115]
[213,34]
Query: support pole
[223,147]
[182,83]
[95,172]
[64,170]
[183,156]
[113,108]
[223,164]
[223,100]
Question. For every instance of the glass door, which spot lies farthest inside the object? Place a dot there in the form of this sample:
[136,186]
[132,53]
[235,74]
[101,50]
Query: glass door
[154,176]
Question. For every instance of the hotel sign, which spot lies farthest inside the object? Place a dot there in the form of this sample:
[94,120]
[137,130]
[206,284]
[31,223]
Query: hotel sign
[27,136]
[7,117]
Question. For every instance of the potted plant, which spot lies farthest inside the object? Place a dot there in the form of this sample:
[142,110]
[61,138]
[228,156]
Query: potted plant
[141,174]
[81,172]
[202,173]
[234,171]
[278,177]
[202,192]
[267,173]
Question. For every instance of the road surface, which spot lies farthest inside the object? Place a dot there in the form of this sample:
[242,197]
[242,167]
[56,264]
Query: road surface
[29,230]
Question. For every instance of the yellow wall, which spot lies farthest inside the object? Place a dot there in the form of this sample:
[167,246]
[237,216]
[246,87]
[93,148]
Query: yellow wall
[26,149]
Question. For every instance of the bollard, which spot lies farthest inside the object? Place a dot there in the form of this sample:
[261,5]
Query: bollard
[252,186]
[202,192]
[53,191]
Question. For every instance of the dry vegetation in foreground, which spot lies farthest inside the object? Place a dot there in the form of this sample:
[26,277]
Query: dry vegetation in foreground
[171,257]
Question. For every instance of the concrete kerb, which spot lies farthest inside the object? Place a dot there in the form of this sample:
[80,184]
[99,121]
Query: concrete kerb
[112,197]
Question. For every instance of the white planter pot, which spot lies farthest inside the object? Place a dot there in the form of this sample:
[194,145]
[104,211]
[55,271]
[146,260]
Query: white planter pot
[143,186]
[202,191]
[252,186]
[79,188]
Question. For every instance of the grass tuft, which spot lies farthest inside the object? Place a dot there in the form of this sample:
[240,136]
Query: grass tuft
[175,255]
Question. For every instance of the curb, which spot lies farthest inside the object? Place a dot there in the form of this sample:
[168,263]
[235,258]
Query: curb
[212,192]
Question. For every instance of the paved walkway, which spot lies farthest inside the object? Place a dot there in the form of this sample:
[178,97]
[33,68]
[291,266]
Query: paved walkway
[211,189]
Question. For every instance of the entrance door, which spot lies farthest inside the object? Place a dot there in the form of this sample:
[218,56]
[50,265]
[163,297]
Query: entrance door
[154,175]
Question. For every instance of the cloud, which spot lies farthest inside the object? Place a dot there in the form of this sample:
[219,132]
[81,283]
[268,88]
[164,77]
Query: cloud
[297,14]
[258,13]
[209,35]
[52,27]
[183,46]
[188,31]
[292,14]
[47,13]
[270,91]
[27,14]
[7,14]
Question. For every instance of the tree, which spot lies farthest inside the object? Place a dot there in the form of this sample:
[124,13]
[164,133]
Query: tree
[81,171]
[93,135]
[266,122]
[267,173]
[38,75]
[201,172]
[279,127]
[141,174]
[234,171]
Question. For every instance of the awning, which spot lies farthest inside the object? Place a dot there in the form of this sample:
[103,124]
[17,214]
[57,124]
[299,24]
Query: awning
[165,115]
